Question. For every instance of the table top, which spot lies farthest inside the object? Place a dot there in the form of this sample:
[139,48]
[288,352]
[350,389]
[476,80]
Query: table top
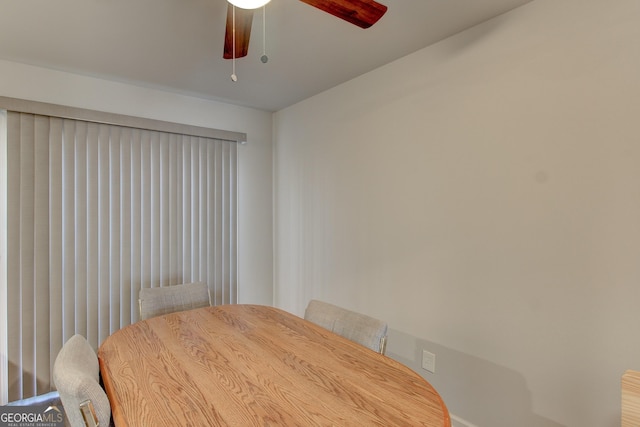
[249,365]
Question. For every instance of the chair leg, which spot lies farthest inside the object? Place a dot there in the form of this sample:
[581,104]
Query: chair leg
[89,414]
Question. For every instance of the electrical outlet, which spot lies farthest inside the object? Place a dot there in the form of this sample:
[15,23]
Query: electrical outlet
[429,361]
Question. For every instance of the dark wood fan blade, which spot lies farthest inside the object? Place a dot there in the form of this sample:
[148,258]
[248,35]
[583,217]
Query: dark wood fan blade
[363,13]
[244,19]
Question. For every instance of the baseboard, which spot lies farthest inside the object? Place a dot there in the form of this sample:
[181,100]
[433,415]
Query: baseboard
[456,421]
[43,399]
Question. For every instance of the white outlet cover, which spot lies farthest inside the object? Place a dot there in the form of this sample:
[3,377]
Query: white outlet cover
[429,361]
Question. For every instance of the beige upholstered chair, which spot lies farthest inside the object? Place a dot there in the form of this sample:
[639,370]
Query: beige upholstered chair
[76,376]
[168,299]
[364,330]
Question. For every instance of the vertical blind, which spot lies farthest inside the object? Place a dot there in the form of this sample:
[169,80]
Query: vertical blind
[95,212]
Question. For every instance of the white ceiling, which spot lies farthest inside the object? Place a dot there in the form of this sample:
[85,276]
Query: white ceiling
[177,45]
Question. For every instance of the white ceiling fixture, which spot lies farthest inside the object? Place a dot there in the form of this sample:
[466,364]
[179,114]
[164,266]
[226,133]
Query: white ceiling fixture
[249,4]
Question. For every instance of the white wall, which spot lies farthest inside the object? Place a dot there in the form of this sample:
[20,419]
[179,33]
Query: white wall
[255,158]
[483,196]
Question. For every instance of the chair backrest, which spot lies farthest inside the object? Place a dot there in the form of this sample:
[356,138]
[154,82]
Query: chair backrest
[76,376]
[169,299]
[360,328]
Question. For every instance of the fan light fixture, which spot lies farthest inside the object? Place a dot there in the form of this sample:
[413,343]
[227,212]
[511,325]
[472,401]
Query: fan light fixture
[249,4]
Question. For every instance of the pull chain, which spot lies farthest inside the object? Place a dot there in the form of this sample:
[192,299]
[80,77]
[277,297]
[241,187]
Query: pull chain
[264,58]
[233,32]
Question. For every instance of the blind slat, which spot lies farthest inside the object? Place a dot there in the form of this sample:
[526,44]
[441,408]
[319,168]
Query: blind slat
[126,291]
[55,237]
[25,297]
[41,255]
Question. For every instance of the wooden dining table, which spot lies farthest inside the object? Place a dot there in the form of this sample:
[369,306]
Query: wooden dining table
[249,365]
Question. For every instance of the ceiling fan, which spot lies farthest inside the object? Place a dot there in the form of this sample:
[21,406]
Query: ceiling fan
[363,13]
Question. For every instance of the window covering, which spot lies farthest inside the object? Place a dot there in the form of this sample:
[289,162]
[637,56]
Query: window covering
[94,213]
